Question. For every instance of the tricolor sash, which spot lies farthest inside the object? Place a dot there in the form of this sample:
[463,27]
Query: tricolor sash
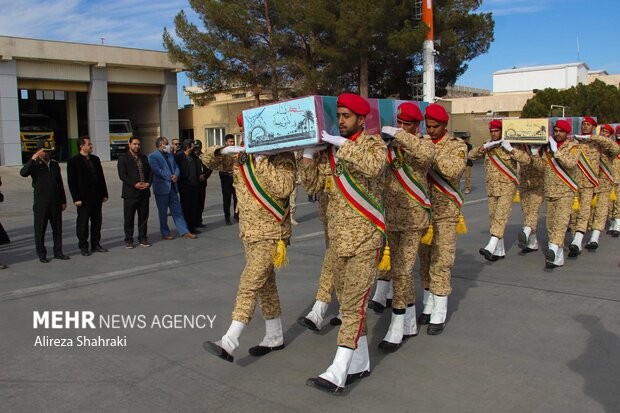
[356,196]
[504,168]
[586,168]
[562,173]
[446,188]
[604,168]
[272,205]
[407,179]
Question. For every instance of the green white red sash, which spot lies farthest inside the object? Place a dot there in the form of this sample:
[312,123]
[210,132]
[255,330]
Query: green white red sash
[272,205]
[446,188]
[604,168]
[586,168]
[355,194]
[504,168]
[561,172]
[407,179]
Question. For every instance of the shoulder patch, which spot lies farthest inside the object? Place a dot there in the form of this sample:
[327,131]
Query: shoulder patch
[574,149]
[462,154]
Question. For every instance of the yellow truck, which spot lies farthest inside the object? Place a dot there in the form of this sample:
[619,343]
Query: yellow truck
[32,128]
[120,133]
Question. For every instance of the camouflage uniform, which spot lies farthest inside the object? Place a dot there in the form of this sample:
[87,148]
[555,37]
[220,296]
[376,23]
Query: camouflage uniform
[531,189]
[615,208]
[500,190]
[406,220]
[259,230]
[437,260]
[602,192]
[353,242]
[326,280]
[558,195]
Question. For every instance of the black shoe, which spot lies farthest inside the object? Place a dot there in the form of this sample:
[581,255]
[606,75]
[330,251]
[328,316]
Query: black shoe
[325,385]
[488,255]
[522,238]
[195,231]
[258,351]
[408,336]
[335,321]
[98,248]
[388,303]
[201,225]
[550,255]
[528,249]
[424,319]
[435,329]
[389,347]
[573,250]
[44,260]
[306,322]
[85,253]
[376,307]
[352,378]
[213,348]
[227,220]
[498,257]
[615,234]
[592,246]
[550,265]
[62,256]
[145,244]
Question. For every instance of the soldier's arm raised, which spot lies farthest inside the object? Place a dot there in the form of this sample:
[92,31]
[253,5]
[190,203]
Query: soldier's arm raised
[476,153]
[607,146]
[368,157]
[568,155]
[421,150]
[212,158]
[277,174]
[310,174]
[520,156]
[451,162]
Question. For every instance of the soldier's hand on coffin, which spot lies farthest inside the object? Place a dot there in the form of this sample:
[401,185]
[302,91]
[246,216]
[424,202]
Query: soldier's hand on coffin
[310,152]
[491,144]
[232,150]
[334,140]
[553,145]
[582,137]
[259,156]
[506,145]
[391,130]
[534,149]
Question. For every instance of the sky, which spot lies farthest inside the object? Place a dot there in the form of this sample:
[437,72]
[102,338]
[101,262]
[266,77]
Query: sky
[527,33]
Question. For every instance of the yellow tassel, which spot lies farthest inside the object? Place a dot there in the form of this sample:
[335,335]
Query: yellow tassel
[594,201]
[279,256]
[612,195]
[427,239]
[576,206]
[461,227]
[329,183]
[385,263]
[517,198]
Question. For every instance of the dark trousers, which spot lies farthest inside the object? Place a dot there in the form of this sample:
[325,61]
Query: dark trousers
[42,214]
[190,199]
[85,213]
[202,194]
[228,191]
[130,207]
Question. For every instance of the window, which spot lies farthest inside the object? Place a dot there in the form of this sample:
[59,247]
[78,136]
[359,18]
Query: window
[238,95]
[23,94]
[215,136]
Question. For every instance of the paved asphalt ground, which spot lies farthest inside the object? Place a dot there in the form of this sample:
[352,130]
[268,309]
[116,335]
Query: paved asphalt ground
[519,338]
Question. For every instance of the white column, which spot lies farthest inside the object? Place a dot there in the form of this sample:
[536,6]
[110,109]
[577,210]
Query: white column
[98,117]
[10,145]
[429,71]
[169,107]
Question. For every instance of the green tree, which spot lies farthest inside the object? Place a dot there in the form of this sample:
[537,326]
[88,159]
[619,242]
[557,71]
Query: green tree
[596,99]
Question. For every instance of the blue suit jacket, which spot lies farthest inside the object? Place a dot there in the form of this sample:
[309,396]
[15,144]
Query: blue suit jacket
[163,167]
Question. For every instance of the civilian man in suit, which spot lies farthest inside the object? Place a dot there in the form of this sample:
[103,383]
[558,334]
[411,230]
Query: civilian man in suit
[190,183]
[135,172]
[165,178]
[206,172]
[89,192]
[49,199]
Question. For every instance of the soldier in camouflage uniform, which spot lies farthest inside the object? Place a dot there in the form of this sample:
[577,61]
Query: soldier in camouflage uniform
[500,163]
[591,147]
[614,213]
[531,190]
[560,189]
[603,192]
[354,243]
[407,215]
[437,260]
[260,233]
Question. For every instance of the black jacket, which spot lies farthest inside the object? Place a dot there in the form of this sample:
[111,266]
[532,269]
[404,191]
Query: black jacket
[128,172]
[191,168]
[86,184]
[46,181]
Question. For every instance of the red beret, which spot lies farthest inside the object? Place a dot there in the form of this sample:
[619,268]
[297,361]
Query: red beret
[589,119]
[240,120]
[436,112]
[609,128]
[355,103]
[409,112]
[495,124]
[564,125]
[617,128]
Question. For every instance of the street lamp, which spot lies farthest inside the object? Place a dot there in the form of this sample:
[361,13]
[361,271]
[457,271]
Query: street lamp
[558,106]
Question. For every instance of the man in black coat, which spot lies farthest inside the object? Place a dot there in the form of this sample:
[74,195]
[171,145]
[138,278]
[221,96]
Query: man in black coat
[135,172]
[191,181]
[89,192]
[202,193]
[49,199]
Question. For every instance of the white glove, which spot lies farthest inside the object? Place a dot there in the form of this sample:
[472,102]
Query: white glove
[553,145]
[491,144]
[258,157]
[334,140]
[390,130]
[231,150]
[534,149]
[506,145]
[311,151]
[583,137]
